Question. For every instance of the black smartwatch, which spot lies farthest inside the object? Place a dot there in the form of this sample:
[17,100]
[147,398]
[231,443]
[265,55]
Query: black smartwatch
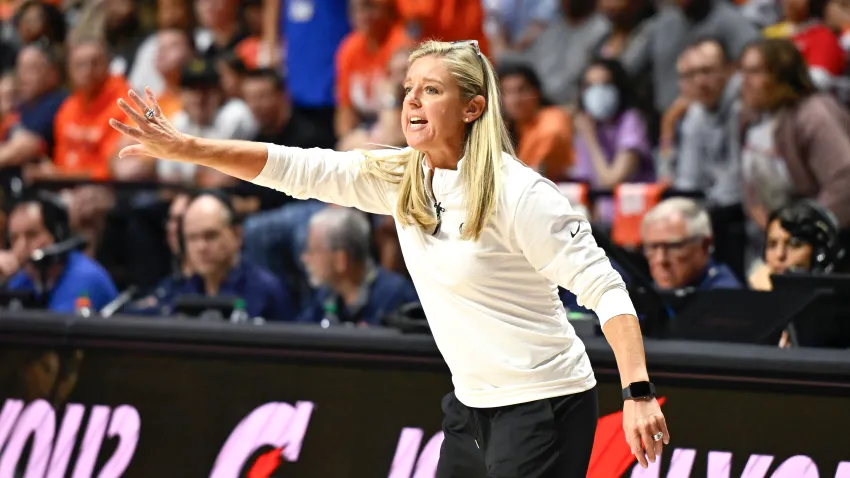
[639,391]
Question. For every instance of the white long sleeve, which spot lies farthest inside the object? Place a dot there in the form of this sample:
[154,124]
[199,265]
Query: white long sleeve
[558,242]
[327,175]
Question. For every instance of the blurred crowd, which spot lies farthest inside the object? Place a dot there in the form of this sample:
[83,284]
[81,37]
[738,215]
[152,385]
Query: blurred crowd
[708,138]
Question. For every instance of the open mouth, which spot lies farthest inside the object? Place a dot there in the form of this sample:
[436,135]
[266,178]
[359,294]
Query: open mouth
[417,121]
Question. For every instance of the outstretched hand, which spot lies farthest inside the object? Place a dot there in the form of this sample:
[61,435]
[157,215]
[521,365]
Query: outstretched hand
[157,137]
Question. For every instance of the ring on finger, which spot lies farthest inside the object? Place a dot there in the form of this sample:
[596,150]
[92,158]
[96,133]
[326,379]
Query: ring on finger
[658,436]
[149,114]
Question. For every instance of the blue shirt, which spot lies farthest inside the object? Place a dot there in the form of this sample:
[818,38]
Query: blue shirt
[716,276]
[264,294]
[383,294]
[313,30]
[37,116]
[81,276]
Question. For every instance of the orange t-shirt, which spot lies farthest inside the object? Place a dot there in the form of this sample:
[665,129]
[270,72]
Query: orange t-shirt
[447,20]
[360,70]
[85,142]
[546,144]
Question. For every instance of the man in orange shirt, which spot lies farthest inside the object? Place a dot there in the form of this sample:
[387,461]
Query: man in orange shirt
[85,143]
[362,60]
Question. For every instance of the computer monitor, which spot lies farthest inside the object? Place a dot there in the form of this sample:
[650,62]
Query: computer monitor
[733,315]
[825,321]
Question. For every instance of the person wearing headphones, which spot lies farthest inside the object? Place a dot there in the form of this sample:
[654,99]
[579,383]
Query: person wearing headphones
[38,221]
[800,237]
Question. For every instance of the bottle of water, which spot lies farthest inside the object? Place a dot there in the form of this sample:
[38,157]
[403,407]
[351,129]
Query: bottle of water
[239,314]
[83,306]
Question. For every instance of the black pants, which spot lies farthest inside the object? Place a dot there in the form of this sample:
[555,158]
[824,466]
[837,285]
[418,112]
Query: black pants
[550,438]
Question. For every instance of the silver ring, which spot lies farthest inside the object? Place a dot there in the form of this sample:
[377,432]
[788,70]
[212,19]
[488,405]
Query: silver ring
[149,114]
[658,436]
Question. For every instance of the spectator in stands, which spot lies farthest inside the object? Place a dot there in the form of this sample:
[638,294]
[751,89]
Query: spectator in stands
[170,14]
[231,69]
[514,25]
[314,31]
[277,239]
[40,22]
[352,288]
[267,97]
[709,149]
[675,27]
[212,242]
[796,142]
[222,29]
[801,237]
[563,50]
[37,222]
[362,61]
[85,143]
[543,133]
[124,34]
[206,113]
[41,95]
[677,242]
[709,152]
[804,25]
[610,139]
[385,130]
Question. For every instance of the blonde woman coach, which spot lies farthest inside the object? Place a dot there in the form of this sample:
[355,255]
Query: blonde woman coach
[486,240]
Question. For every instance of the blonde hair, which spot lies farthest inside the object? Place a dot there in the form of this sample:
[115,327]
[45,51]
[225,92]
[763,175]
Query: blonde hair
[485,141]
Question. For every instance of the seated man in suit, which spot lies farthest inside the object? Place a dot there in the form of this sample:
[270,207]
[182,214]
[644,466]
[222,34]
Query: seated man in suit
[353,289]
[212,241]
[677,242]
[39,221]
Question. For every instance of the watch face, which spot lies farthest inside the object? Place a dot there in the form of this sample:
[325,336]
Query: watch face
[640,389]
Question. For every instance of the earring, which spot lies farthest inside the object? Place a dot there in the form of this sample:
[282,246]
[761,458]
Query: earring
[466,120]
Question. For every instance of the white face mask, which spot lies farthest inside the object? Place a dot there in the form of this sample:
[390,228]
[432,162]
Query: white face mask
[601,101]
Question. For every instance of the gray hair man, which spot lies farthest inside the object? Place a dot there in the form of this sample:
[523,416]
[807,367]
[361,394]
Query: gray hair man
[351,287]
[678,244]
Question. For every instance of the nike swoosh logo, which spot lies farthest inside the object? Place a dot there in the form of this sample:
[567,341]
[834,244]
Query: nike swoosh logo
[573,234]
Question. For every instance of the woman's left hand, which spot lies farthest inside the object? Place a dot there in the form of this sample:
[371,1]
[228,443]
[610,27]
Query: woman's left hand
[641,420]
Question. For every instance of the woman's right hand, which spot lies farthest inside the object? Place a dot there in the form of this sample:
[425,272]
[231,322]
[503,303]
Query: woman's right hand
[156,136]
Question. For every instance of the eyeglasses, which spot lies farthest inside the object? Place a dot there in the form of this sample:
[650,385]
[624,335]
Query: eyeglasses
[673,247]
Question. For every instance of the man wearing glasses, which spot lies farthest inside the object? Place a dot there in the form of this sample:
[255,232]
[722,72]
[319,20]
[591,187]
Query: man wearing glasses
[678,244]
